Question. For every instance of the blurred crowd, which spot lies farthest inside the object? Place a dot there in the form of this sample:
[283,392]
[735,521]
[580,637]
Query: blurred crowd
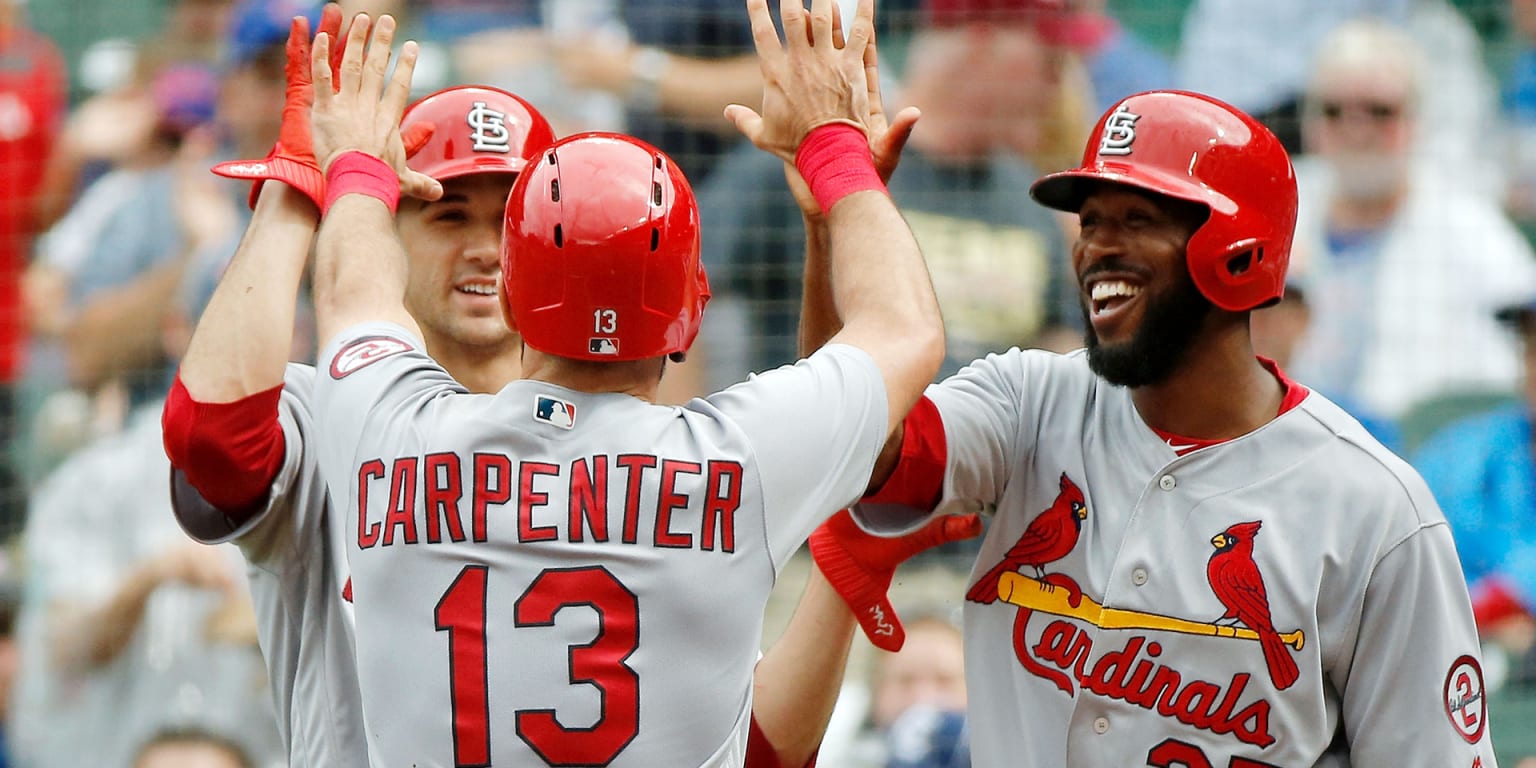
[1412,299]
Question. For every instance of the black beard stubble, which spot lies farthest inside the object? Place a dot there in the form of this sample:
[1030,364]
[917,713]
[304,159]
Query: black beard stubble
[1168,328]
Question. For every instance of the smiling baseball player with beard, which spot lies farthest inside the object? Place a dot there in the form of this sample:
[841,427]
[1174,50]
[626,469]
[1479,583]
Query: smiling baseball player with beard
[1194,560]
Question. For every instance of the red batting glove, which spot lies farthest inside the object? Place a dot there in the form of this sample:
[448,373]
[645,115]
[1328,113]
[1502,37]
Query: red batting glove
[860,566]
[292,159]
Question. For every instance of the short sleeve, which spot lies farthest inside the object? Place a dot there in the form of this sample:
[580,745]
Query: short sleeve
[1416,663]
[982,410]
[815,429]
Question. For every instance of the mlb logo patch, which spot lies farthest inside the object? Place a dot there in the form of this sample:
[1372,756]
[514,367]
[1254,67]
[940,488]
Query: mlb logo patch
[553,410]
[603,345]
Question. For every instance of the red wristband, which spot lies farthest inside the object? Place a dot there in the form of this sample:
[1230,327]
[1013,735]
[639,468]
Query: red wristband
[835,162]
[361,173]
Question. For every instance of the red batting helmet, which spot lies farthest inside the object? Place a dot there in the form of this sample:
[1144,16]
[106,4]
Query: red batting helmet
[600,252]
[476,129]
[1193,147]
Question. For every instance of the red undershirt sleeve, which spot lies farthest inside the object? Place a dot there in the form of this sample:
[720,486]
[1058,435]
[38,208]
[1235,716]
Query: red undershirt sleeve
[918,480]
[229,452]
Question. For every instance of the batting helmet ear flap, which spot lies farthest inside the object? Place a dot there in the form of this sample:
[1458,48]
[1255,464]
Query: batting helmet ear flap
[506,307]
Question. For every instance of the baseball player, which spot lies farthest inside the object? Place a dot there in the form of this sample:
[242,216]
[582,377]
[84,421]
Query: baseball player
[564,562]
[240,420]
[1194,561]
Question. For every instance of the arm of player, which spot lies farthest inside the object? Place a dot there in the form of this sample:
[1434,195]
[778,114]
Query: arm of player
[819,321]
[796,683]
[1416,661]
[360,269]
[220,421]
[879,283]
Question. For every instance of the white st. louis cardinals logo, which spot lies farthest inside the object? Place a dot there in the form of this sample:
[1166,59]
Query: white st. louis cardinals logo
[488,129]
[364,352]
[1119,132]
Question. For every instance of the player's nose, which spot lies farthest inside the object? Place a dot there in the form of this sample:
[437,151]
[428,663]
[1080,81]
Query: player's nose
[484,246]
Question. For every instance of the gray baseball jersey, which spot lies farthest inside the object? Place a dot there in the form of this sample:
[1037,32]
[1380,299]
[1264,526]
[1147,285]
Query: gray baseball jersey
[1287,598]
[297,572]
[546,576]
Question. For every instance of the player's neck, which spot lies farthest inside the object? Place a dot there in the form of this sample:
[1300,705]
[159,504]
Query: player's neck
[1219,392]
[480,369]
[636,378]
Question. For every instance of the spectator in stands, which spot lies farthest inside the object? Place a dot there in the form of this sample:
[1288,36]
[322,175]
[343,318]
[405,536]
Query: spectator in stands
[115,122]
[914,714]
[1118,62]
[127,626]
[683,61]
[999,106]
[1400,267]
[191,748]
[10,656]
[1277,330]
[1519,112]
[32,102]
[137,247]
[1482,470]
[1259,57]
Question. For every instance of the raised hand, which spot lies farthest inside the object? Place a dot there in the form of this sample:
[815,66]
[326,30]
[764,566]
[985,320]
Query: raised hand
[292,159]
[355,110]
[887,137]
[808,81]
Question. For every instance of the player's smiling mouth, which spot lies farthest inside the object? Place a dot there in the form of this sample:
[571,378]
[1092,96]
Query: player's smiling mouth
[1110,295]
[477,289]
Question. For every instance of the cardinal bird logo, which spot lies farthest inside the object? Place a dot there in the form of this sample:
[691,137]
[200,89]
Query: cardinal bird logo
[1235,579]
[1049,537]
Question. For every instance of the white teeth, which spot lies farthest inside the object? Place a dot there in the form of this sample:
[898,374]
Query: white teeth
[479,290]
[1113,289]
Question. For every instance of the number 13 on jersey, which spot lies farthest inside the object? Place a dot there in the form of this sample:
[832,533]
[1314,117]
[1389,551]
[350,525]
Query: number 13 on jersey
[600,663]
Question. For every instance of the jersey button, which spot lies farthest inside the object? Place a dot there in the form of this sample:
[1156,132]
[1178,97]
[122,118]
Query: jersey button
[1101,725]
[1167,483]
[1139,576]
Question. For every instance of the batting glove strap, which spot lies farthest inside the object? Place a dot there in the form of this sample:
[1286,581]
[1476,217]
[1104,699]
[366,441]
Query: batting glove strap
[862,585]
[860,566]
[301,174]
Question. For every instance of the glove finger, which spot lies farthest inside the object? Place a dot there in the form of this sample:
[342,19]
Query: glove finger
[297,68]
[330,20]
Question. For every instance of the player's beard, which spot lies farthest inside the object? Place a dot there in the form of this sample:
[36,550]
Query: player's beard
[1168,328]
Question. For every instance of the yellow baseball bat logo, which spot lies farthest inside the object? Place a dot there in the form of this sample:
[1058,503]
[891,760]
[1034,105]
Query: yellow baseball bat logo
[1026,592]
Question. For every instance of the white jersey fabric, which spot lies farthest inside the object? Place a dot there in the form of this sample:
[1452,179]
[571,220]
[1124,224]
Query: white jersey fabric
[546,576]
[296,565]
[1358,564]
